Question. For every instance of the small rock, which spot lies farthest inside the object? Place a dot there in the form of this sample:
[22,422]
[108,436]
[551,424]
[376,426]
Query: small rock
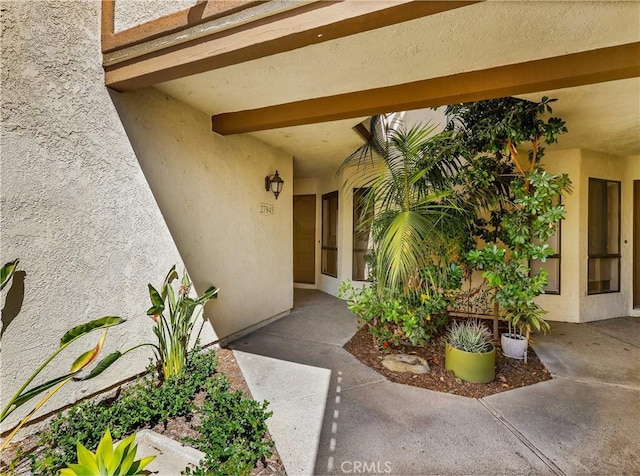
[406,363]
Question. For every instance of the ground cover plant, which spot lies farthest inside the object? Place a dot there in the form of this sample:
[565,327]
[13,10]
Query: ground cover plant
[229,427]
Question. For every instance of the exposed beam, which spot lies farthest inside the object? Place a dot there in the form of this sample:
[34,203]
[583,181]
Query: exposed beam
[577,69]
[201,12]
[295,29]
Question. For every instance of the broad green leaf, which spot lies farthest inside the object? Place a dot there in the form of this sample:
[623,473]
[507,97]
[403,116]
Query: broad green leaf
[129,455]
[156,299]
[7,271]
[103,365]
[88,357]
[87,459]
[104,452]
[83,329]
[155,310]
[143,462]
[210,293]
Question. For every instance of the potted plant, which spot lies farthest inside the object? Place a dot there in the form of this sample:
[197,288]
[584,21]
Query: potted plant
[470,352]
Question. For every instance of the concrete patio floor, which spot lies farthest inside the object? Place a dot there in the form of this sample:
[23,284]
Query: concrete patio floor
[334,415]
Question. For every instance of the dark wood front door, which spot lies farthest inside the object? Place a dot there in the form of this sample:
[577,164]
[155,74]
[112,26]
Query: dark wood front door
[304,239]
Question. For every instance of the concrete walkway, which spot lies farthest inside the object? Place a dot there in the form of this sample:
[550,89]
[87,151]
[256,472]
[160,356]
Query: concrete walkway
[334,415]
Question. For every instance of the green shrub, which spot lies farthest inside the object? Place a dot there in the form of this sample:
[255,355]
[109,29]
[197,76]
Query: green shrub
[232,430]
[232,427]
[411,316]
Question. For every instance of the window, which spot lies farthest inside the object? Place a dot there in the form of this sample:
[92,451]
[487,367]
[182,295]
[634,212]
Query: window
[361,232]
[552,264]
[604,236]
[330,234]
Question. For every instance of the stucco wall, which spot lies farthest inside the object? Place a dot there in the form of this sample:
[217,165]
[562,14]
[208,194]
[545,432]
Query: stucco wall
[93,223]
[574,304]
[129,13]
[566,306]
[210,190]
[76,208]
[602,306]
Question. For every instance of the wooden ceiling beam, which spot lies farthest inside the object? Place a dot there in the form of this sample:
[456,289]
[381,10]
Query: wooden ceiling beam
[576,69]
[309,24]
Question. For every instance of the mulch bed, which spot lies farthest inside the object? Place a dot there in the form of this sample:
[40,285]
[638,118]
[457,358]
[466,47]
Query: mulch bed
[175,428]
[510,373]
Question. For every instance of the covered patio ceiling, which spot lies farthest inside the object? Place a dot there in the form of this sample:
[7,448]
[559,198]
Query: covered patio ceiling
[586,54]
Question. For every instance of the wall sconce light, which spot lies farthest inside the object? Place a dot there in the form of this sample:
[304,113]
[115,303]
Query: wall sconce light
[274,184]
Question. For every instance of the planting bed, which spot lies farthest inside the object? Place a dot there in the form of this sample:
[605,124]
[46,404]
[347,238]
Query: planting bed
[510,373]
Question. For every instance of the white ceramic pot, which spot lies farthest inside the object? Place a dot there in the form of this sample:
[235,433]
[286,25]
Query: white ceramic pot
[514,346]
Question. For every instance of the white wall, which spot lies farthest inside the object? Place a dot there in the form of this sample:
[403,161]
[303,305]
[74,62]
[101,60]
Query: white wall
[601,306]
[210,190]
[574,304]
[566,306]
[76,208]
[93,223]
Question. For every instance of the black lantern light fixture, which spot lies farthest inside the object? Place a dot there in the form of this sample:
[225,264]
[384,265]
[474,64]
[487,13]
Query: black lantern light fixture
[274,184]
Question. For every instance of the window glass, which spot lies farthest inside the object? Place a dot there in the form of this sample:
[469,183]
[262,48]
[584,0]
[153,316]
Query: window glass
[361,235]
[604,236]
[330,234]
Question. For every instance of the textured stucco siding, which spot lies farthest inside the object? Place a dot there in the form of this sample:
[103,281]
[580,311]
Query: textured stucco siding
[211,192]
[78,210]
[129,13]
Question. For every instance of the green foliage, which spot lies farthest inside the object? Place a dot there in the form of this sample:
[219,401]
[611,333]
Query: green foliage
[517,203]
[25,394]
[411,192]
[107,460]
[405,318]
[174,331]
[7,271]
[146,404]
[470,336]
[531,221]
[232,430]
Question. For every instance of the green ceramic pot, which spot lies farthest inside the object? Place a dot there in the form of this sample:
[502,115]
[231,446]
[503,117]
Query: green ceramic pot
[471,367]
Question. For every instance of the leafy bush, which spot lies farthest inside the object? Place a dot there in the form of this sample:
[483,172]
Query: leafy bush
[174,331]
[403,318]
[146,404]
[231,431]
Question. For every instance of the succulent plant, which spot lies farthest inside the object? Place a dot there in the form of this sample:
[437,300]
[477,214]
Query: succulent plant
[470,336]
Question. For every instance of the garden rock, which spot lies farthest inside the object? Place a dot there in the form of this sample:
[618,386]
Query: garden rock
[406,363]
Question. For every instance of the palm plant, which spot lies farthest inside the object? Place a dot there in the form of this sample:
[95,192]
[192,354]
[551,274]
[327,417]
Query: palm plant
[409,171]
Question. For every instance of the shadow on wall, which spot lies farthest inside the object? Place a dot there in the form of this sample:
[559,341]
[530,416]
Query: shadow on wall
[13,300]
[209,189]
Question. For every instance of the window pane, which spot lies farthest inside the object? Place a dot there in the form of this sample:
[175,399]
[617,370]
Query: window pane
[613,218]
[361,234]
[361,271]
[330,234]
[552,265]
[604,236]
[604,275]
[597,217]
[330,262]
